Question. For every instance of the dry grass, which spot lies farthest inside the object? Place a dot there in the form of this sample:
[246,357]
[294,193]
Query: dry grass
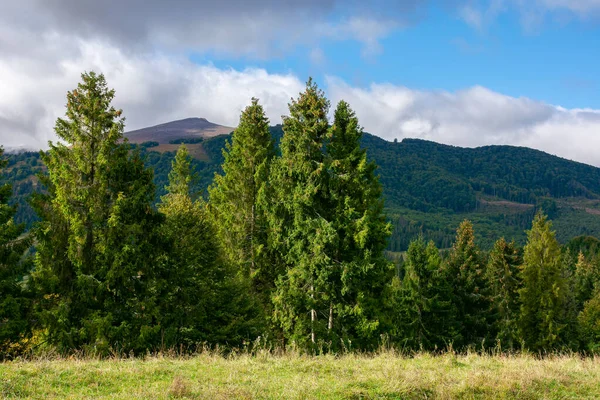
[264,376]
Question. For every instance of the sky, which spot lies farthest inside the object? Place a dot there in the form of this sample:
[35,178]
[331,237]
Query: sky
[460,72]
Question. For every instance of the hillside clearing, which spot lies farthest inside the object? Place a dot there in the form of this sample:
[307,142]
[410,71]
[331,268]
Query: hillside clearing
[265,376]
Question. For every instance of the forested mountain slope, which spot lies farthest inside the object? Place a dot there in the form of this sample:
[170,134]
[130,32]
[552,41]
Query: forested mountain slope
[428,187]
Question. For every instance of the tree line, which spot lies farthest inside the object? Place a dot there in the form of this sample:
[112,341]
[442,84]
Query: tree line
[288,246]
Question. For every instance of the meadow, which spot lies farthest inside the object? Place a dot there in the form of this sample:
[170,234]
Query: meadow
[385,375]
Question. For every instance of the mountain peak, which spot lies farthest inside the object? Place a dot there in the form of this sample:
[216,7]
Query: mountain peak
[192,127]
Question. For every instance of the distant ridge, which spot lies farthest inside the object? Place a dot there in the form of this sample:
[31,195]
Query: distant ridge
[181,129]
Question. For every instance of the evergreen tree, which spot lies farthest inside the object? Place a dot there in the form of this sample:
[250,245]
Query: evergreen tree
[300,232]
[14,300]
[589,324]
[465,270]
[96,241]
[586,278]
[542,317]
[201,299]
[239,201]
[359,272]
[504,282]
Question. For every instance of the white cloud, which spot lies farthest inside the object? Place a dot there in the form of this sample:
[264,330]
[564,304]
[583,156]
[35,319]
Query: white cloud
[480,14]
[150,88]
[473,117]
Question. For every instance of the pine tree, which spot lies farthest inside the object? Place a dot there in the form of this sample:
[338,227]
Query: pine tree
[359,272]
[14,300]
[542,317]
[201,299]
[504,281]
[466,271]
[96,241]
[239,201]
[300,232]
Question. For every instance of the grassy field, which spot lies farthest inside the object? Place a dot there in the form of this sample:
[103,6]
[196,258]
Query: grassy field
[383,376]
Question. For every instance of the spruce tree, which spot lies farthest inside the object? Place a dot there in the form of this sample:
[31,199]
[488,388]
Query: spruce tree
[415,300]
[359,273]
[466,272]
[586,278]
[542,317]
[589,324]
[300,232]
[425,314]
[96,241]
[201,299]
[239,201]
[504,281]
[14,299]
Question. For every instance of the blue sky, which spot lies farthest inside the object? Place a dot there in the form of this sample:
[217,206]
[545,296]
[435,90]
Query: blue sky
[555,60]
[461,72]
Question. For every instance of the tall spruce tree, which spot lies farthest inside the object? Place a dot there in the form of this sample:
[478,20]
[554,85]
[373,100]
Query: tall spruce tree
[14,299]
[504,281]
[239,199]
[96,240]
[299,229]
[466,271]
[202,300]
[416,298]
[359,271]
[542,319]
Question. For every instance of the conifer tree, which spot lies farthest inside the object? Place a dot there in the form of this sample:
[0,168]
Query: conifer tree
[239,200]
[359,272]
[466,272]
[300,232]
[589,324]
[14,301]
[542,317]
[586,278]
[504,281]
[201,298]
[422,306]
[415,299]
[97,238]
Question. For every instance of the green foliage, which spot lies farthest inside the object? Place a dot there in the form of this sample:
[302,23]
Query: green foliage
[94,264]
[589,322]
[201,299]
[187,140]
[465,270]
[543,295]
[429,188]
[421,303]
[504,282]
[291,244]
[329,229]
[239,201]
[300,231]
[14,299]
[359,272]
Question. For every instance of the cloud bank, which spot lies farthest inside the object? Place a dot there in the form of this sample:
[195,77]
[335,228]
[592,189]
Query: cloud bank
[143,46]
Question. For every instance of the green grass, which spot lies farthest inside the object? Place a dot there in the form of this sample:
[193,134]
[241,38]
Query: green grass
[383,376]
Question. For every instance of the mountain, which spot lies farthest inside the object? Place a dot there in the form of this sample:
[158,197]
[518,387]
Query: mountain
[189,128]
[429,188]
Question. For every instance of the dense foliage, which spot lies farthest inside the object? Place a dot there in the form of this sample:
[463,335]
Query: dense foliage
[289,249]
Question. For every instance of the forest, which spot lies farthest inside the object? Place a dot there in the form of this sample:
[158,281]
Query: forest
[289,244]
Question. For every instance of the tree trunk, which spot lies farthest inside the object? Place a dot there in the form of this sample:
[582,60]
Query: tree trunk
[330,324]
[313,315]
